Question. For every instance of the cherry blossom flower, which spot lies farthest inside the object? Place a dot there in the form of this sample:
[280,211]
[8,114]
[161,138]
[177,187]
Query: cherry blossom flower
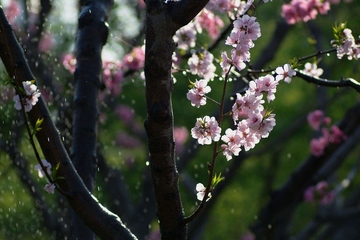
[225,62]
[233,143]
[206,129]
[266,125]
[318,145]
[50,188]
[248,137]
[285,73]
[202,64]
[181,134]
[320,193]
[69,62]
[249,26]
[30,99]
[185,37]
[47,42]
[312,69]
[200,188]
[304,10]
[135,59]
[12,11]
[246,104]
[197,94]
[317,118]
[264,84]
[47,166]
[210,22]
[113,75]
[348,46]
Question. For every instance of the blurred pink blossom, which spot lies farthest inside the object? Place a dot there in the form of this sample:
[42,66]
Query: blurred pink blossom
[320,193]
[125,140]
[69,62]
[125,113]
[135,59]
[210,22]
[12,11]
[47,42]
[317,118]
[113,75]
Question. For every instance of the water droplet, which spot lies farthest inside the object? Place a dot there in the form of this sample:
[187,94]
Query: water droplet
[147,163]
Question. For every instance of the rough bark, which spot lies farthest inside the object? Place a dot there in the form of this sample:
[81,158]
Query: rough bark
[162,21]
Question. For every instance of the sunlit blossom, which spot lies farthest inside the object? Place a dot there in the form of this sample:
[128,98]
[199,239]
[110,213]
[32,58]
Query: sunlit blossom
[285,73]
[30,98]
[197,93]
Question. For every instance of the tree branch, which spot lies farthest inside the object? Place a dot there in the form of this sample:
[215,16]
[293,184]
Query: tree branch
[343,82]
[104,223]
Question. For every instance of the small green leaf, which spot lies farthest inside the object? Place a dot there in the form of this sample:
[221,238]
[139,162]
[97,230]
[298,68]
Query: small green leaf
[57,166]
[216,180]
[38,124]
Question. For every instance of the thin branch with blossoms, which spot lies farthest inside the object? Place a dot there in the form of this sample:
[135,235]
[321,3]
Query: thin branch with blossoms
[211,165]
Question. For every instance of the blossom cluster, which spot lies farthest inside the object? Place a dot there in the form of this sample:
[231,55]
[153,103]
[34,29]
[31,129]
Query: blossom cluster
[304,10]
[49,187]
[113,71]
[29,98]
[245,31]
[347,45]
[201,64]
[251,119]
[318,121]
[320,193]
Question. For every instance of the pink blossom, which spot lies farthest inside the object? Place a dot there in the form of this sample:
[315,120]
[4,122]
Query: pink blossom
[233,145]
[248,137]
[317,118]
[244,105]
[206,129]
[285,73]
[135,59]
[185,37]
[47,42]
[180,134]
[31,97]
[125,113]
[337,136]
[264,84]
[225,62]
[69,62]
[249,26]
[12,11]
[113,75]
[266,125]
[312,69]
[318,145]
[210,22]
[202,64]
[320,193]
[40,170]
[50,188]
[197,94]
